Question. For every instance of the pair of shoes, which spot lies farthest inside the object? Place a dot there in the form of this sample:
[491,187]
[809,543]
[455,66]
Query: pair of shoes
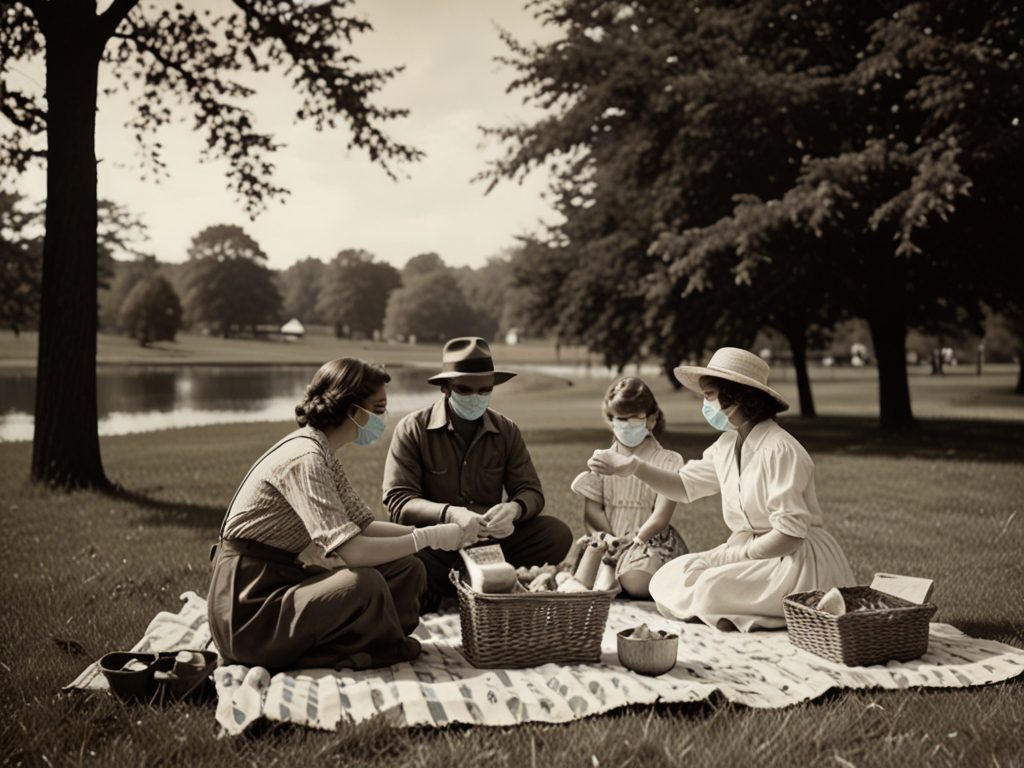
[159,677]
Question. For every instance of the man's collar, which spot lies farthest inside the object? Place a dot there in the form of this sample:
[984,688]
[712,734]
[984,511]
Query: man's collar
[439,418]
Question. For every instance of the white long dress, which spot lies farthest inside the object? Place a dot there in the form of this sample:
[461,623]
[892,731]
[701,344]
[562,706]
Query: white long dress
[772,489]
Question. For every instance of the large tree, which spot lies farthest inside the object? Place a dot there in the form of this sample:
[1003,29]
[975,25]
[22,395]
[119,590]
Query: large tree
[862,152]
[230,288]
[160,53]
[354,293]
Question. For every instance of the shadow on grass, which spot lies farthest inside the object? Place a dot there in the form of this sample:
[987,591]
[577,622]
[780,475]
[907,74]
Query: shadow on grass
[945,439]
[169,512]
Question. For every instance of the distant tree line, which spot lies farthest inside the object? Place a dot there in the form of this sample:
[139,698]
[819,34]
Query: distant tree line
[226,287]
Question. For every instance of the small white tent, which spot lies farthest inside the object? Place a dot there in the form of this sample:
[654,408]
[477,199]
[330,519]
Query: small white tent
[293,329]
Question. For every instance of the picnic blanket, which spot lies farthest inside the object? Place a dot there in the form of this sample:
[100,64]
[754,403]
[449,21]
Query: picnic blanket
[759,669]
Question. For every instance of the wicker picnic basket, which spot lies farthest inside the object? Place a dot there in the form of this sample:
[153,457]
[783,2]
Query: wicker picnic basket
[858,638]
[526,629]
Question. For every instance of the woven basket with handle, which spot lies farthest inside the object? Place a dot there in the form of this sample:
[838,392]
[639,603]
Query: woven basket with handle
[526,629]
[894,630]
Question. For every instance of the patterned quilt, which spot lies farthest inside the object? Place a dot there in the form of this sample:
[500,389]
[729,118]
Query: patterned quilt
[759,669]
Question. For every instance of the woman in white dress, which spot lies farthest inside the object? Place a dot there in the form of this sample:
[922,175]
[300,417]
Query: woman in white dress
[623,507]
[766,478]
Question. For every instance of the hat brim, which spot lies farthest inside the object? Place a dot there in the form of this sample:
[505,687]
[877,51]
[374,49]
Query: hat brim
[689,376]
[500,377]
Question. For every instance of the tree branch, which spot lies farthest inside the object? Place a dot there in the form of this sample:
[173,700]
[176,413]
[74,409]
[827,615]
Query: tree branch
[114,15]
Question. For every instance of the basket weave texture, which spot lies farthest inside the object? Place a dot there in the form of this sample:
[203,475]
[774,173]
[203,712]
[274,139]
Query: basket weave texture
[526,629]
[859,638]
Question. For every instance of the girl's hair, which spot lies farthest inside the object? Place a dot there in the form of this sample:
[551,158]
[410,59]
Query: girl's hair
[756,404]
[334,388]
[632,395]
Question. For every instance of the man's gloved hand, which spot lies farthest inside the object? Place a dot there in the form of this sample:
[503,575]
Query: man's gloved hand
[500,520]
[446,536]
[608,462]
[472,524]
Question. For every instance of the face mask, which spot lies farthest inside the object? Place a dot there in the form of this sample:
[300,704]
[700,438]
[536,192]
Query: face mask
[469,407]
[716,417]
[372,431]
[630,432]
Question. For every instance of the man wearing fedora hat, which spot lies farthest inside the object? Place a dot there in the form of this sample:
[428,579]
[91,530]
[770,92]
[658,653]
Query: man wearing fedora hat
[459,461]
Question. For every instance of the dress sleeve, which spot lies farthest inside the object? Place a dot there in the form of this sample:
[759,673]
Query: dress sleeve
[789,472]
[589,485]
[311,488]
[700,478]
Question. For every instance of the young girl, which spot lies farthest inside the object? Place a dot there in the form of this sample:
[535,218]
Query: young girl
[766,479]
[622,506]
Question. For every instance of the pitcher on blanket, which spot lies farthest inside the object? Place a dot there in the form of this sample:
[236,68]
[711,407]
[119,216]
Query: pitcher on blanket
[766,478]
[623,506]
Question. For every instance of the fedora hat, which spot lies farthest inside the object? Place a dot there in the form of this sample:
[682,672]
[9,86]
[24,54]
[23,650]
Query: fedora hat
[731,364]
[468,356]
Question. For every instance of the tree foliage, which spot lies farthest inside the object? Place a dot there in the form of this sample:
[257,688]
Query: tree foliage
[21,253]
[773,163]
[354,293]
[430,307]
[300,289]
[230,288]
[151,311]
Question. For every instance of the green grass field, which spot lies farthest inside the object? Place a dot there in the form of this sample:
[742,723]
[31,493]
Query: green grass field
[944,502]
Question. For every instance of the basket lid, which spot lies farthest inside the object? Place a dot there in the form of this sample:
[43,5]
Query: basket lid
[910,588]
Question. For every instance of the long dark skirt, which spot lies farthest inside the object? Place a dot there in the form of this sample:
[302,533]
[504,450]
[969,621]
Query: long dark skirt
[267,609]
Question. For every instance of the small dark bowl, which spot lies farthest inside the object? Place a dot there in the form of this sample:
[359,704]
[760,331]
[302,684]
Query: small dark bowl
[129,684]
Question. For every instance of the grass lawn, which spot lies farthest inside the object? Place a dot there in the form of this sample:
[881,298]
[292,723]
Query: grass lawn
[115,349]
[945,502]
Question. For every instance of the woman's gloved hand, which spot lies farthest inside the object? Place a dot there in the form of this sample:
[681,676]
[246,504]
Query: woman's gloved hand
[446,536]
[473,526]
[608,462]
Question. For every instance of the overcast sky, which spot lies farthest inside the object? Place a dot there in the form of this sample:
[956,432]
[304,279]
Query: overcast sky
[339,199]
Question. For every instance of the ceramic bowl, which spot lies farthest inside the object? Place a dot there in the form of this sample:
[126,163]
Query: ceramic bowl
[648,657]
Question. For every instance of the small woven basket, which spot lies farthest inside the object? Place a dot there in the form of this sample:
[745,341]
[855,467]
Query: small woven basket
[526,629]
[859,638]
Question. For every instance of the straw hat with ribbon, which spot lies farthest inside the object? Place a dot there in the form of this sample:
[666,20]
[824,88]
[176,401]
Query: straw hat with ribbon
[731,364]
[468,356]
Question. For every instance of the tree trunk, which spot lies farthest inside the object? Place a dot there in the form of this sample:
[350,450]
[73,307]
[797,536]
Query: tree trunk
[66,447]
[889,335]
[798,346]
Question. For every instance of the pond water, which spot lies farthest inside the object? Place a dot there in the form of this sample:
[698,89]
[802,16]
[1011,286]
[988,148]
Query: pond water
[147,398]
[143,399]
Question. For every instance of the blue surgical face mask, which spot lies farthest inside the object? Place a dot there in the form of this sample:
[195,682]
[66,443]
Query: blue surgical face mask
[718,418]
[469,407]
[373,429]
[630,432]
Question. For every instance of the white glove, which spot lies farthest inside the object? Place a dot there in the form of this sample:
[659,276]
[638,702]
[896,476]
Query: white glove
[447,536]
[499,521]
[470,523]
[608,462]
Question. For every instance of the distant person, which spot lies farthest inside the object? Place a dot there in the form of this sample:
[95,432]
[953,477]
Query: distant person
[766,479]
[458,461]
[265,607]
[626,508]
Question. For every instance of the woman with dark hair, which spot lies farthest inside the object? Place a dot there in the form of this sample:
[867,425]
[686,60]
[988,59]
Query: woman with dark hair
[624,507]
[268,609]
[766,478]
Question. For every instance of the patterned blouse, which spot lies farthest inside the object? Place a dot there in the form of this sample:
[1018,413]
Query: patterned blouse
[298,493]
